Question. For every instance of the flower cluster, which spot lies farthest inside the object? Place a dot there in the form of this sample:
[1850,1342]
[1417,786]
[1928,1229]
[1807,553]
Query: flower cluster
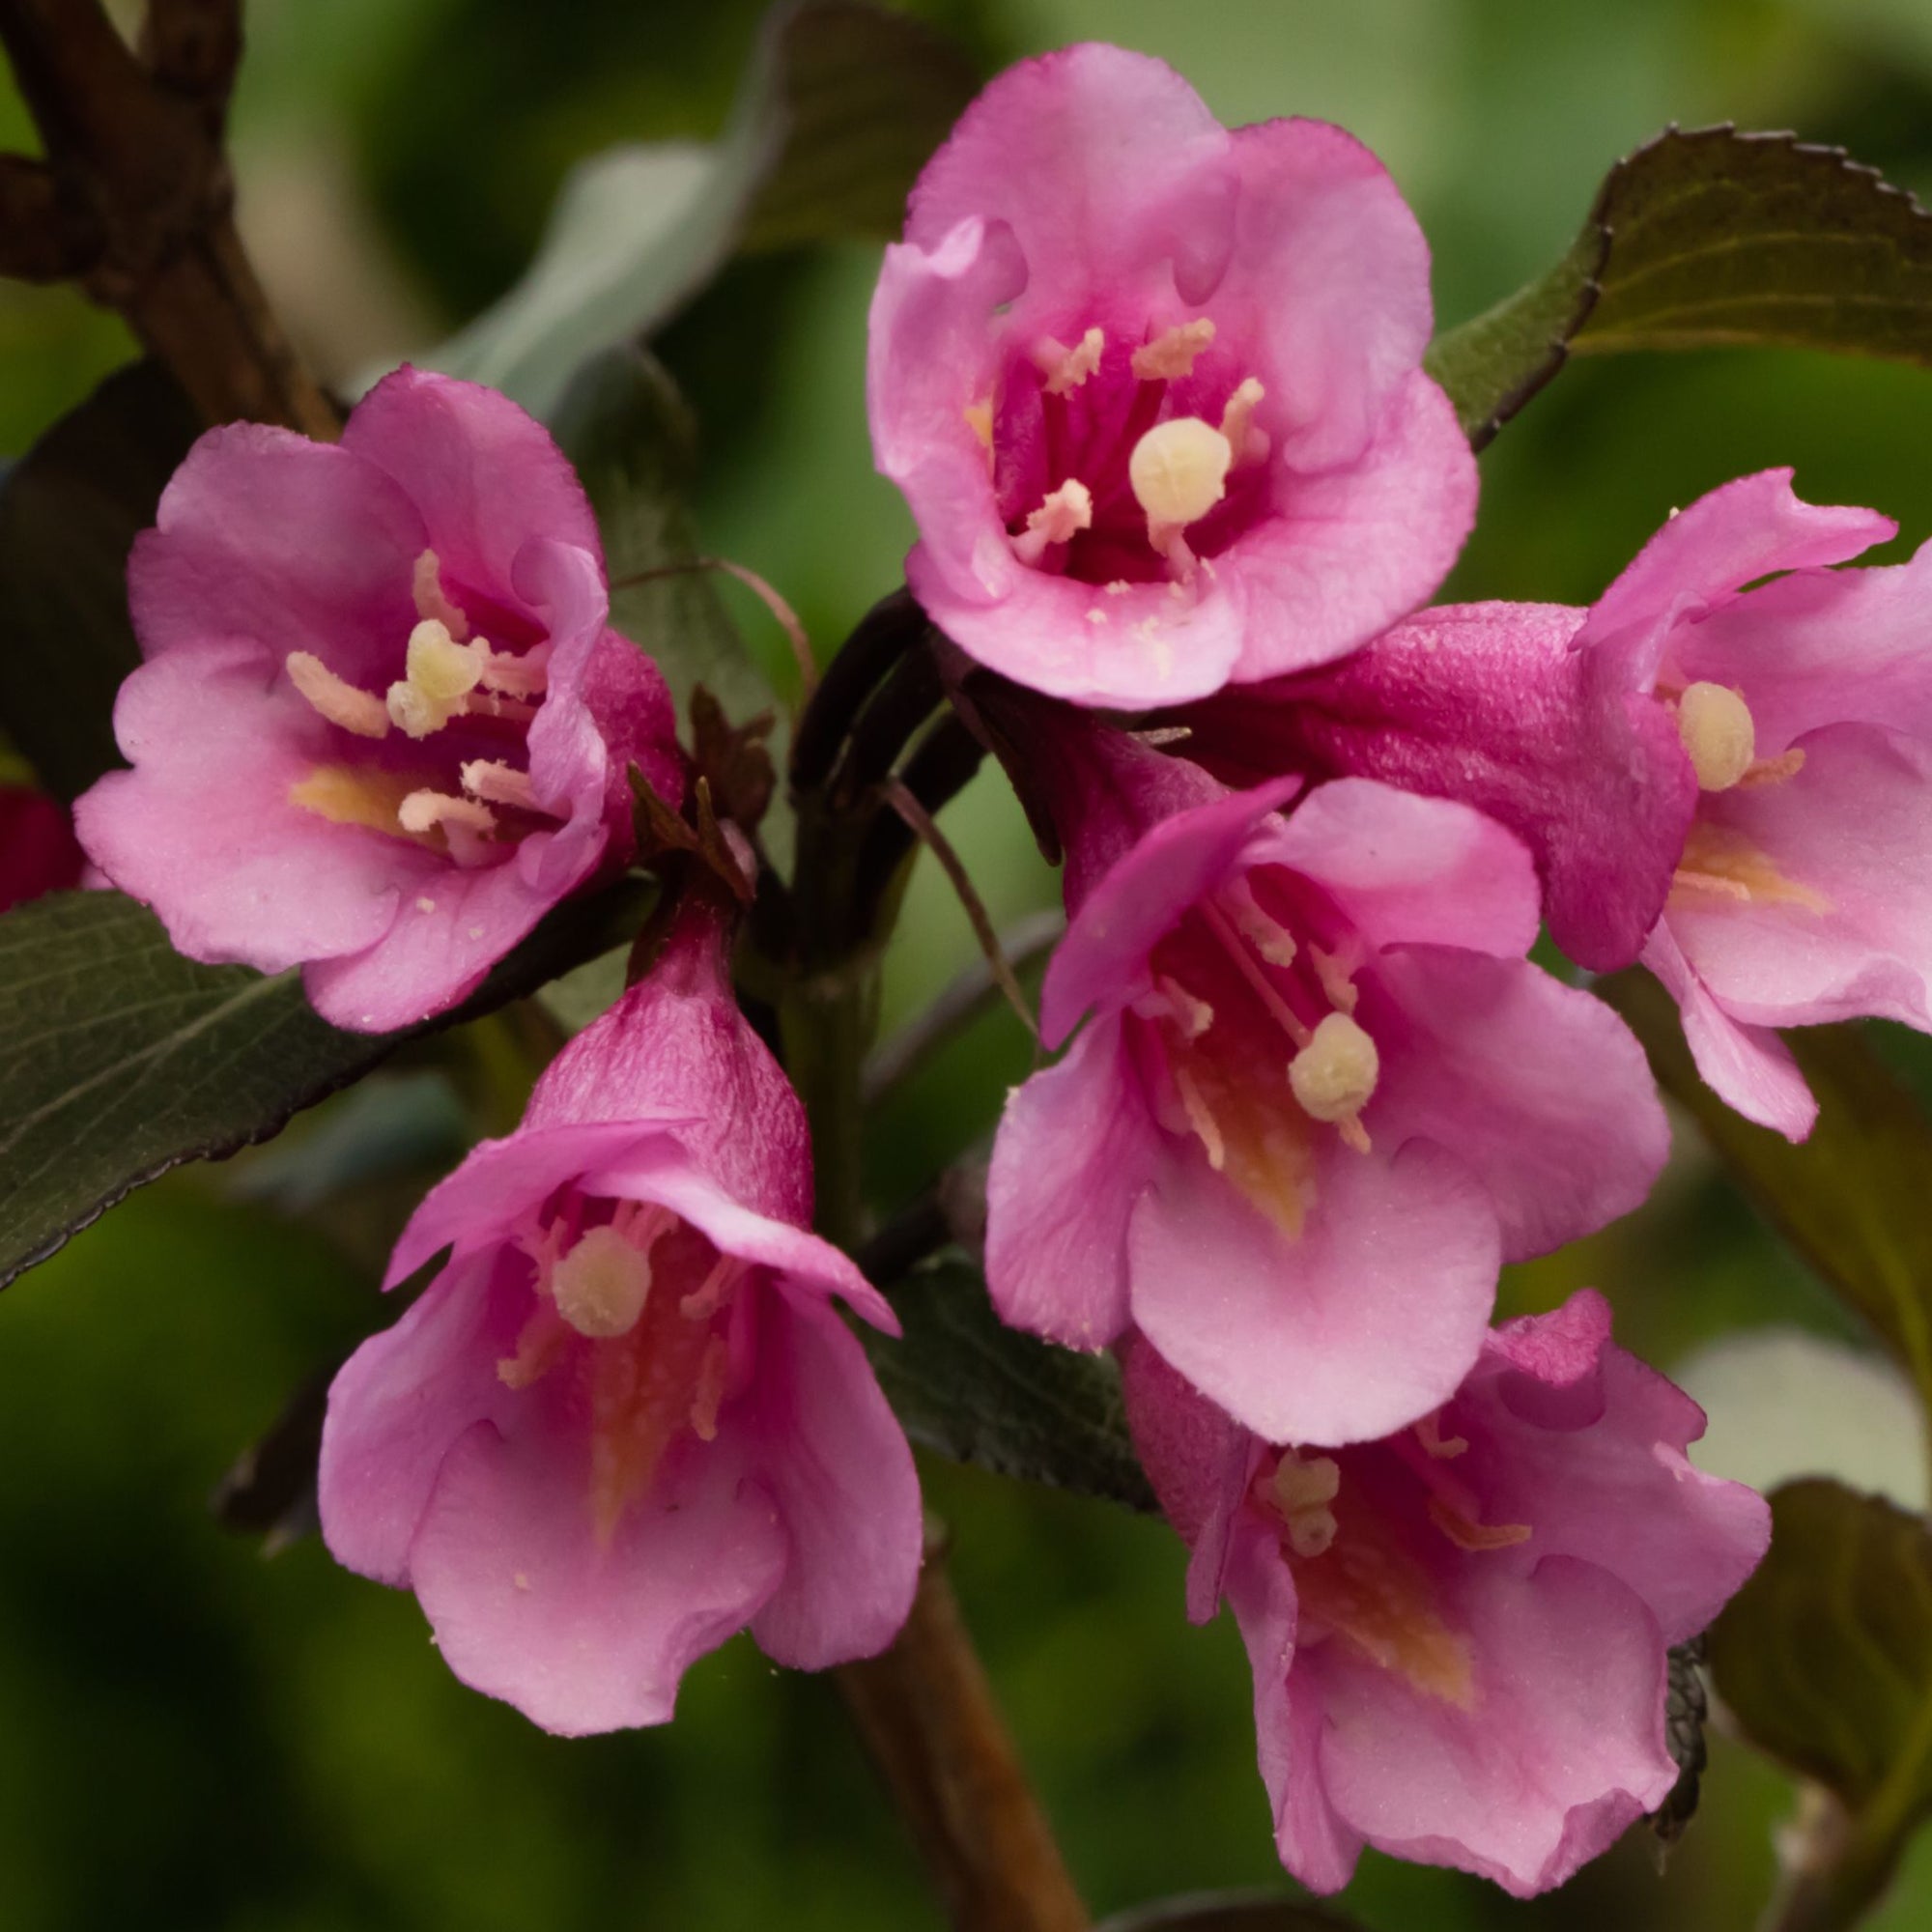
[1153,392]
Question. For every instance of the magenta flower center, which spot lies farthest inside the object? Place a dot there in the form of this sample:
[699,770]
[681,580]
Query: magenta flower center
[1127,458]
[440,756]
[1366,1533]
[1250,1036]
[631,1308]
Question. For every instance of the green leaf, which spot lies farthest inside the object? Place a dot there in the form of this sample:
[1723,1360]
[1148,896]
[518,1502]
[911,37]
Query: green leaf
[1825,1659]
[1851,1198]
[624,425]
[841,107]
[970,1388]
[1228,1912]
[1702,238]
[122,1060]
[69,512]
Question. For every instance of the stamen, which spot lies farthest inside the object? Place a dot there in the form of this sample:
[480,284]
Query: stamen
[1200,1116]
[709,1393]
[1178,471]
[352,795]
[538,1346]
[1302,1493]
[524,676]
[1173,1002]
[1251,970]
[600,1285]
[440,675]
[1060,518]
[1171,353]
[1774,771]
[499,783]
[1723,863]
[1261,929]
[980,420]
[464,823]
[1334,1076]
[488,704]
[713,1291]
[1067,369]
[431,600]
[336,699]
[1336,971]
[1442,1448]
[1716,725]
[1249,442]
[1466,1533]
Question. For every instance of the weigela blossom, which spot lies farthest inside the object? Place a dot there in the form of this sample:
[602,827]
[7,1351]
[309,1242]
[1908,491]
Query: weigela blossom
[626,1419]
[383,725]
[1458,1633]
[1730,781]
[1320,1095]
[1153,388]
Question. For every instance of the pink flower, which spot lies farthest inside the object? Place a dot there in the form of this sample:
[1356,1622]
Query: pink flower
[1494,705]
[1153,388]
[1458,1633]
[1730,782]
[38,853]
[1321,1094]
[626,1420]
[383,725]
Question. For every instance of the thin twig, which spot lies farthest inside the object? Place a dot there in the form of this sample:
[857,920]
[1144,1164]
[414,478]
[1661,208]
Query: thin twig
[139,209]
[928,1715]
[971,993]
[883,636]
[941,848]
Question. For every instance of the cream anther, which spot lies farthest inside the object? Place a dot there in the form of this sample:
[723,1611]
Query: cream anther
[1249,444]
[431,601]
[499,783]
[337,699]
[1060,518]
[1334,1075]
[1264,933]
[463,822]
[1170,355]
[1067,369]
[525,677]
[600,1285]
[1716,725]
[1466,1533]
[1178,471]
[1303,1493]
[439,675]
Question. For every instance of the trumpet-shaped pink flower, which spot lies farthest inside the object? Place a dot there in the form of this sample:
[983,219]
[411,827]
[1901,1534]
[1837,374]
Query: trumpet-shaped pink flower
[1459,1632]
[1320,1096]
[1153,388]
[626,1420]
[383,724]
[1729,781]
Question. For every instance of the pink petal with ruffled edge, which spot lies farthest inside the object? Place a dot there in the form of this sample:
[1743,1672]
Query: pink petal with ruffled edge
[1487,1057]
[1074,1151]
[1749,1067]
[1324,1337]
[835,1461]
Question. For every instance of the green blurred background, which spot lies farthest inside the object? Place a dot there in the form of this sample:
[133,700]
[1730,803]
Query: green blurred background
[191,1735]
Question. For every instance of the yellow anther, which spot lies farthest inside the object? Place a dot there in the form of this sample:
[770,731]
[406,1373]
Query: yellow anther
[1170,355]
[1067,369]
[1303,1491]
[499,783]
[1441,1448]
[600,1285]
[426,587]
[439,675]
[1466,1533]
[1716,725]
[1178,471]
[1060,518]
[1334,1075]
[336,699]
[1237,423]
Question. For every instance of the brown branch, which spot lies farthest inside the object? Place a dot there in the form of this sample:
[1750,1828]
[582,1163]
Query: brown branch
[928,1715]
[140,207]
